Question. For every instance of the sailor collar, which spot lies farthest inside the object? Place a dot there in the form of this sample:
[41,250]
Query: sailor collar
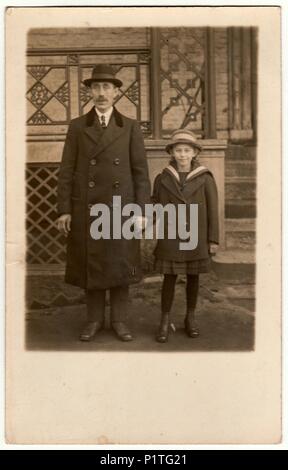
[191,175]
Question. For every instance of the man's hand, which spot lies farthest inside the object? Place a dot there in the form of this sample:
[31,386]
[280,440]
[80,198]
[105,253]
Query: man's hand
[213,247]
[64,224]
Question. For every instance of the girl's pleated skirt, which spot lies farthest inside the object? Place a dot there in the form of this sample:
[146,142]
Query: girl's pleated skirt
[182,267]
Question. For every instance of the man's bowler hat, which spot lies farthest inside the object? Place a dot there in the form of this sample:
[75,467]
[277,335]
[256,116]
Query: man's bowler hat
[103,73]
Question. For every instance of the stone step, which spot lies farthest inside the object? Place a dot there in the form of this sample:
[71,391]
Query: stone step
[240,168]
[237,225]
[240,188]
[240,234]
[238,208]
[241,152]
[252,152]
[243,257]
[235,265]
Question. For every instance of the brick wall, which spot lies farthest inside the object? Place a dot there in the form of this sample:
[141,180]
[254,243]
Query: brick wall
[88,37]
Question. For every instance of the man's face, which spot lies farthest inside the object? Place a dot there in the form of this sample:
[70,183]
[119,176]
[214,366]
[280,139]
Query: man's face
[103,95]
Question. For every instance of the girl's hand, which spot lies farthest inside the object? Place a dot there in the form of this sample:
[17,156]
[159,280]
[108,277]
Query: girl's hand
[213,247]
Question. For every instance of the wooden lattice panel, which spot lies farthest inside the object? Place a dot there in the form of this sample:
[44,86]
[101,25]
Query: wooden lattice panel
[47,95]
[45,246]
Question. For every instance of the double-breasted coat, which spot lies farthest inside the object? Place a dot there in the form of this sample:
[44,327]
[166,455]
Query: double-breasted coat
[98,164]
[199,188]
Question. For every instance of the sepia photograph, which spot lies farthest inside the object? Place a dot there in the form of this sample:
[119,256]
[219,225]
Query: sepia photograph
[143,162]
[158,88]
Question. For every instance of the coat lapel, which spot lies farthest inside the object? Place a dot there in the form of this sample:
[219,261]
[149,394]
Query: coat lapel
[192,186]
[95,133]
[194,180]
[103,138]
[171,181]
[112,133]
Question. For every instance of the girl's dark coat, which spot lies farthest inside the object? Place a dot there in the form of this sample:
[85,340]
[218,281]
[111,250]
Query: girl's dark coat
[97,165]
[199,188]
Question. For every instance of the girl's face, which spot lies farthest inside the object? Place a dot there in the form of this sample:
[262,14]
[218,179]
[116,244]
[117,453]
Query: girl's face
[183,154]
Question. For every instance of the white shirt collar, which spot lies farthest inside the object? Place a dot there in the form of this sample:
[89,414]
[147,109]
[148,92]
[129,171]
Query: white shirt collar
[107,114]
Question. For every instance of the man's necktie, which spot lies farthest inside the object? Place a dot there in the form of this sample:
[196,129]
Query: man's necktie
[102,122]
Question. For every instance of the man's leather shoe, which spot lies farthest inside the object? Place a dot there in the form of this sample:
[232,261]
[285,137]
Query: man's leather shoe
[90,330]
[122,331]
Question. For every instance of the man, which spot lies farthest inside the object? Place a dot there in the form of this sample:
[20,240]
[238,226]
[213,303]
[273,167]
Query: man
[103,156]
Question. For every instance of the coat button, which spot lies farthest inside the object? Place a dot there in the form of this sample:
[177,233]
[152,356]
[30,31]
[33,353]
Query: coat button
[91,184]
[93,161]
[116,184]
[90,206]
[116,161]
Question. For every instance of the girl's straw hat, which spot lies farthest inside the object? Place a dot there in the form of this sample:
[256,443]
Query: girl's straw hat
[182,136]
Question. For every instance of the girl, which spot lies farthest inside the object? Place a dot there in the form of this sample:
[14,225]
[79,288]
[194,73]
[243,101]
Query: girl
[185,181]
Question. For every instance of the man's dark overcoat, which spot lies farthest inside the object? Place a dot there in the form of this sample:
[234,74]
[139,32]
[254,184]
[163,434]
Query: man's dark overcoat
[96,165]
[199,188]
